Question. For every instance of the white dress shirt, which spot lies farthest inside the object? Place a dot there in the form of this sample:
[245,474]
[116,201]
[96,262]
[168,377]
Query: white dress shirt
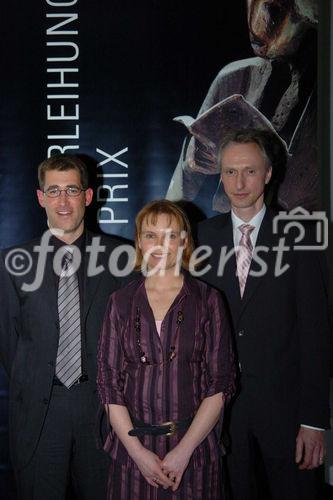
[255,221]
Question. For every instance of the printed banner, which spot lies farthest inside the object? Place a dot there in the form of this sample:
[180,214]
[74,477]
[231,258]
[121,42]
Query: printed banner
[106,80]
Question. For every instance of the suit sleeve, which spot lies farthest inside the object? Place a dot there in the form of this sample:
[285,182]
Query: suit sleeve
[220,357]
[110,359]
[314,333]
[9,317]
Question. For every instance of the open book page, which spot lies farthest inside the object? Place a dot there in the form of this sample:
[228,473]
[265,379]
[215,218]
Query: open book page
[233,113]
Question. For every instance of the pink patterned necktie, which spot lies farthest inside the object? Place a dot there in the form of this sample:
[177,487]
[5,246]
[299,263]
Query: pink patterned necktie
[244,255]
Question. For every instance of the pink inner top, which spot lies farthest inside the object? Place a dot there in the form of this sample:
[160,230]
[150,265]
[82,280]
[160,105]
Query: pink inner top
[158,325]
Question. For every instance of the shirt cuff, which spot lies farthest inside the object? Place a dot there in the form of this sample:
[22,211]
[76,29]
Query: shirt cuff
[311,427]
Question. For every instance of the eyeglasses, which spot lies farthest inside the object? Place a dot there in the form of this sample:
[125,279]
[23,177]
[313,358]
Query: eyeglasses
[71,191]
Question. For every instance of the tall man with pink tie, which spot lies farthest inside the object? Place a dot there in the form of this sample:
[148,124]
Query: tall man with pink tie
[278,306]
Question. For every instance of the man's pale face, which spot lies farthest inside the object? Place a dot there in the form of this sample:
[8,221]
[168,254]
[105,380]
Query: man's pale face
[244,174]
[64,212]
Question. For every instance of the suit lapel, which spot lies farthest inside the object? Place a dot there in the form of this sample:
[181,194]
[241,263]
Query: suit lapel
[48,287]
[230,276]
[228,281]
[91,282]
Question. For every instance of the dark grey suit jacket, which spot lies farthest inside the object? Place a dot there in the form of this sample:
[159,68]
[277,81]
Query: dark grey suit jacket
[280,326]
[29,340]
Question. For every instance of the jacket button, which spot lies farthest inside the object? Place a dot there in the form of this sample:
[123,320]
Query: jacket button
[241,333]
[45,401]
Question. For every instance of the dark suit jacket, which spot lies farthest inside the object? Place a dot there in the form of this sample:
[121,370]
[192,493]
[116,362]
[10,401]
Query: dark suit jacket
[281,328]
[29,341]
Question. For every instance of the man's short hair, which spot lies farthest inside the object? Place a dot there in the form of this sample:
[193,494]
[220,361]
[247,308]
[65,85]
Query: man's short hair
[63,162]
[271,146]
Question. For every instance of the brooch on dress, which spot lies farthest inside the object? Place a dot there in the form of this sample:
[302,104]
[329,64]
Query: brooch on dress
[137,326]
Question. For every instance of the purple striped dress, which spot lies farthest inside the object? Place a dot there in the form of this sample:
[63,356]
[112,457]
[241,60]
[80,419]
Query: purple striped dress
[165,377]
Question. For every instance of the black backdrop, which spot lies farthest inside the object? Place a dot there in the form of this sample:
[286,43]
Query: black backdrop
[139,65]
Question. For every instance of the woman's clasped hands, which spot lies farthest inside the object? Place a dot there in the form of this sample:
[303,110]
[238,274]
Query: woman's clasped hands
[167,472]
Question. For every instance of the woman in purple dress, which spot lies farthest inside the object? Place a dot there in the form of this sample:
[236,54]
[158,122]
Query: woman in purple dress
[165,370]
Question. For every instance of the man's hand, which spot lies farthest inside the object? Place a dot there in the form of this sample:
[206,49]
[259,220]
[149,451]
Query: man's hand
[310,448]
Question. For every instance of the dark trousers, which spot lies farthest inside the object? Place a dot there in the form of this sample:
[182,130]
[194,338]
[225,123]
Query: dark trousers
[261,464]
[66,457]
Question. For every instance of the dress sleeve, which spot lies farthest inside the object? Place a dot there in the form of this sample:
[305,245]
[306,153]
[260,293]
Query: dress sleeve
[220,357]
[110,358]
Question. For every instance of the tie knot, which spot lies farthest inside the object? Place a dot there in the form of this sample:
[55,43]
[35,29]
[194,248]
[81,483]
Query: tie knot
[68,257]
[246,229]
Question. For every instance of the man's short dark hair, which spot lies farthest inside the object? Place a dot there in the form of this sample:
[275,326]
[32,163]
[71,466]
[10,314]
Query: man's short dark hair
[62,163]
[269,143]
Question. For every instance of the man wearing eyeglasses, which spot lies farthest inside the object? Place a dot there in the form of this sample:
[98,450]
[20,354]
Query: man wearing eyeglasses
[48,342]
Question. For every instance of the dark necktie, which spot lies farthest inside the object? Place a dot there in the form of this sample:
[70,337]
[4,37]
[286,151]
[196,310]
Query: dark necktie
[68,363]
[288,101]
[244,255]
